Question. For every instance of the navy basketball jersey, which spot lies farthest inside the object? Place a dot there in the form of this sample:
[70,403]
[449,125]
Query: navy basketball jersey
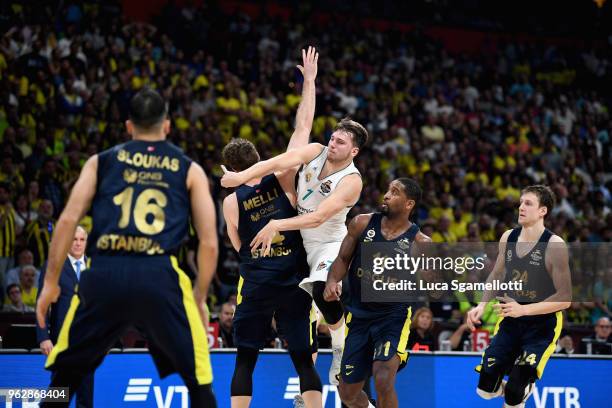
[142,205]
[286,262]
[357,273]
[529,269]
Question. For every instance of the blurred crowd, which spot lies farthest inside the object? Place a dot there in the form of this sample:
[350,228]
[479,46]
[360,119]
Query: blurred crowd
[472,129]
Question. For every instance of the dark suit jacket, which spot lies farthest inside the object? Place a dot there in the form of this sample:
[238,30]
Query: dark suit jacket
[67,282]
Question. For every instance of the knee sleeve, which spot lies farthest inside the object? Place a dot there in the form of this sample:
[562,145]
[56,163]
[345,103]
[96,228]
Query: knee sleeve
[309,378]
[332,311]
[489,385]
[202,396]
[520,385]
[242,381]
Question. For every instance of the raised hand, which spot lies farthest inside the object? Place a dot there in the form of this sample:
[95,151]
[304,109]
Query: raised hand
[309,61]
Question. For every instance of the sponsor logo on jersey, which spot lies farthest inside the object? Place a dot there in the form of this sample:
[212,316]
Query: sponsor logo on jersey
[536,256]
[321,266]
[404,243]
[509,255]
[130,175]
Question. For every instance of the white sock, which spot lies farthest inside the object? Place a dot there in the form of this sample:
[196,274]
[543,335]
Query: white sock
[337,335]
[370,405]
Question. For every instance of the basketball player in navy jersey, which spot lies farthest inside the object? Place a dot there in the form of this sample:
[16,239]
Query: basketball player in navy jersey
[377,332]
[268,285]
[530,318]
[141,194]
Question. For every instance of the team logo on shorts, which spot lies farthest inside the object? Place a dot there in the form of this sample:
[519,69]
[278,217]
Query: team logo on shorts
[326,187]
[130,175]
[322,266]
[308,177]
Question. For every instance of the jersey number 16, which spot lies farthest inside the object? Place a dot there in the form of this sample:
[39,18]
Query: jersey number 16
[149,216]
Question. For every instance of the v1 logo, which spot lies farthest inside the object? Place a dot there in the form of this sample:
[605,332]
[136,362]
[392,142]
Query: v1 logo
[138,391]
[293,389]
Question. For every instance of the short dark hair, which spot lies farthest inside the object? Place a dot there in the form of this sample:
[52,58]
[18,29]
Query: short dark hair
[359,133]
[240,154]
[545,195]
[147,109]
[412,189]
[11,286]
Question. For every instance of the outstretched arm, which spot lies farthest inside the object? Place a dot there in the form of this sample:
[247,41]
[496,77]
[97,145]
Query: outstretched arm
[341,264]
[345,195]
[306,110]
[285,161]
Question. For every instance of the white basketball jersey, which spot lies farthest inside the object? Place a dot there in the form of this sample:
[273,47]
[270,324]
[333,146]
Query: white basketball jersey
[311,192]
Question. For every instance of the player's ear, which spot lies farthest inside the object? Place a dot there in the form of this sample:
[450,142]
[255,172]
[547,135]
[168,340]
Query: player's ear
[410,204]
[166,126]
[129,126]
[543,211]
[354,151]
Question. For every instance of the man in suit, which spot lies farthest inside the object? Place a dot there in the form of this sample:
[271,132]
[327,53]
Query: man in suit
[69,279]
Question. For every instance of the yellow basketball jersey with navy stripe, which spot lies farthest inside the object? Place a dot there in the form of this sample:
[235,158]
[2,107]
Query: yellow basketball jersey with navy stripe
[141,206]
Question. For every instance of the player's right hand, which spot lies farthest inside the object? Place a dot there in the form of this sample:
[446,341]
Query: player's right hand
[46,346]
[473,316]
[48,295]
[230,178]
[309,59]
[332,292]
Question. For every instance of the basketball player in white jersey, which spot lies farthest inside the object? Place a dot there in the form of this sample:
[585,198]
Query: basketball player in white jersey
[329,186]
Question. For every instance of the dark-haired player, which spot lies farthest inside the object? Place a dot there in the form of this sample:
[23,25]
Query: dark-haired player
[530,318]
[377,332]
[329,185]
[141,194]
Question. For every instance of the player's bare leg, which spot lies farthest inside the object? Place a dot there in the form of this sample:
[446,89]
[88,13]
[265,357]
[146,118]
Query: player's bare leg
[352,395]
[384,373]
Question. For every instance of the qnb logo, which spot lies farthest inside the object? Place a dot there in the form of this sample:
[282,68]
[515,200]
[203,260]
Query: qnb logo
[293,389]
[138,391]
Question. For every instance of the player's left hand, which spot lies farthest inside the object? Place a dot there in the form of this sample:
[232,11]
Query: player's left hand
[508,307]
[230,178]
[264,237]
